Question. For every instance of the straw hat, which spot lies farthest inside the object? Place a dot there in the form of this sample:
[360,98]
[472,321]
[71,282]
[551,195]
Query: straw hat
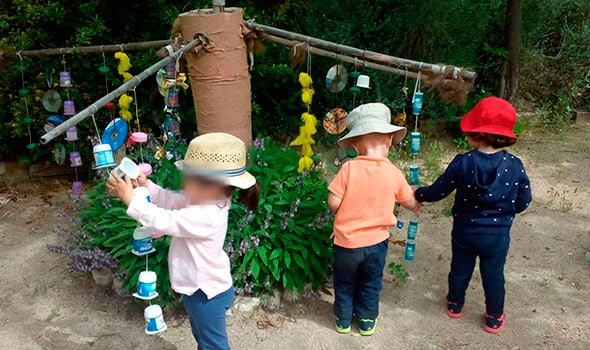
[218,156]
[371,118]
[492,115]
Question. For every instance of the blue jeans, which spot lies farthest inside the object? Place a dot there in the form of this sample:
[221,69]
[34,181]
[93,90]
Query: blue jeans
[357,280]
[207,318]
[492,251]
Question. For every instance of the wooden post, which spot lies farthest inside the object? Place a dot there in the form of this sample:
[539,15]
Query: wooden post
[220,80]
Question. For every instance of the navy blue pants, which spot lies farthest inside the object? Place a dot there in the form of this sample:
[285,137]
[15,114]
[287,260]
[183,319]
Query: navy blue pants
[357,280]
[207,318]
[492,251]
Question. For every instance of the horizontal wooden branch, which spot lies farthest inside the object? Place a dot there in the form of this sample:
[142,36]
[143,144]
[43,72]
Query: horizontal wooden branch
[93,108]
[336,56]
[11,54]
[450,72]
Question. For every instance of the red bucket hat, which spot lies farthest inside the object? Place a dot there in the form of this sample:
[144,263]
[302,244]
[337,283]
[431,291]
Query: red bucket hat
[492,115]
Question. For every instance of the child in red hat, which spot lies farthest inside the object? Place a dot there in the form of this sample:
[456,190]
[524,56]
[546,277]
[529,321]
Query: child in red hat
[492,187]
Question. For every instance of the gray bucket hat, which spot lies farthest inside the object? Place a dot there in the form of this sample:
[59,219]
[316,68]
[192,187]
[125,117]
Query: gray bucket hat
[371,118]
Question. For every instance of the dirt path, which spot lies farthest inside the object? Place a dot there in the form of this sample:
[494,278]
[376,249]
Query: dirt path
[44,305]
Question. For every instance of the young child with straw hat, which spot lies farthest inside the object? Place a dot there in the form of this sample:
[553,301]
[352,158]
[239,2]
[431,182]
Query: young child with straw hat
[363,195]
[492,187]
[214,165]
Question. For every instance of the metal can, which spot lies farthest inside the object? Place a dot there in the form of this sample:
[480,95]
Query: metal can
[172,98]
[415,143]
[417,101]
[410,250]
[412,230]
[414,175]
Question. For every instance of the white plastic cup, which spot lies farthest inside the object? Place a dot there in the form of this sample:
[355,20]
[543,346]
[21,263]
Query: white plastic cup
[142,240]
[154,319]
[363,81]
[146,287]
[127,167]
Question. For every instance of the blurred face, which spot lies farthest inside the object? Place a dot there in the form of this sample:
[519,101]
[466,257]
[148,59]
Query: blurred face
[201,190]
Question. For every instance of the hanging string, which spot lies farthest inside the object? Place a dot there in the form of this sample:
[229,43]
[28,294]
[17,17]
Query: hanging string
[63,60]
[308,66]
[22,76]
[96,128]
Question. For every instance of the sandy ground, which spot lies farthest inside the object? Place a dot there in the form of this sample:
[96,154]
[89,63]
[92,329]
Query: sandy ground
[45,305]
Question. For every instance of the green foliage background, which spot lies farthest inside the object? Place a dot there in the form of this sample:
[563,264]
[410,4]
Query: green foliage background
[555,66]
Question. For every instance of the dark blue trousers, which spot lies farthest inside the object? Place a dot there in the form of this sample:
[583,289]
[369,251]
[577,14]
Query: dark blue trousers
[492,251]
[357,280]
[207,318]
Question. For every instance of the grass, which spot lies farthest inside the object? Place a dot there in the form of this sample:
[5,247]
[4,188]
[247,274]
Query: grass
[560,200]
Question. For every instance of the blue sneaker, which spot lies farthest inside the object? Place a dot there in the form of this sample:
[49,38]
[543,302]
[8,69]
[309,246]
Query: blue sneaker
[343,326]
[367,326]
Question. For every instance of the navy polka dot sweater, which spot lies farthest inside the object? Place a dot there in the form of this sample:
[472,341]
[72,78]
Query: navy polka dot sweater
[491,189]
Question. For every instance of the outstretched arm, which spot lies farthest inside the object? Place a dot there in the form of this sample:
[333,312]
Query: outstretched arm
[165,198]
[442,187]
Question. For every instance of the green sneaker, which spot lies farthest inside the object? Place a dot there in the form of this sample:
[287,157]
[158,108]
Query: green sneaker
[367,326]
[343,326]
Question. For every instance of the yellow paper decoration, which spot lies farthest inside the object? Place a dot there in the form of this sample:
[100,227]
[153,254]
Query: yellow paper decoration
[124,65]
[305,80]
[307,95]
[124,104]
[309,126]
[305,163]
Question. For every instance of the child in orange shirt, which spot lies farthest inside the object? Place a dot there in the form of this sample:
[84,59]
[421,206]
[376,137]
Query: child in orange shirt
[363,195]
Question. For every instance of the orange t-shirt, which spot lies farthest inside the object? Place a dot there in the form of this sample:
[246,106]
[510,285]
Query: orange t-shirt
[369,188]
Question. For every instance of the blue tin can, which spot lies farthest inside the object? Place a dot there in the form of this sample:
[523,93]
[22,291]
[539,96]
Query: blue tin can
[414,175]
[417,102]
[412,230]
[410,250]
[415,143]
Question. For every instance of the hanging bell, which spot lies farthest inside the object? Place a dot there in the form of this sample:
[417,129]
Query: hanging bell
[363,81]
[103,70]
[75,159]
[77,188]
[109,105]
[69,107]
[28,120]
[65,79]
[21,68]
[72,134]
[31,146]
[355,90]
[23,92]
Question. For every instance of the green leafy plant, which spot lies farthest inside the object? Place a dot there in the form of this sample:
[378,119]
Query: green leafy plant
[399,272]
[286,242]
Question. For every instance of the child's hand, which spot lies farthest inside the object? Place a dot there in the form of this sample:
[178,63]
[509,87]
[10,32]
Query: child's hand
[119,188]
[417,208]
[141,181]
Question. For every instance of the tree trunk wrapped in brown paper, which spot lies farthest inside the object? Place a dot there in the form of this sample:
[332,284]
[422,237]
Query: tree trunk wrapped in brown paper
[220,78]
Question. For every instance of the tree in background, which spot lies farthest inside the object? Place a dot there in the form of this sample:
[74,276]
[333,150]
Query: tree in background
[512,38]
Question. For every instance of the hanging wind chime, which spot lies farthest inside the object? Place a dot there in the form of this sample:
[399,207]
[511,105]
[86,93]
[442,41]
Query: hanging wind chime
[417,101]
[308,129]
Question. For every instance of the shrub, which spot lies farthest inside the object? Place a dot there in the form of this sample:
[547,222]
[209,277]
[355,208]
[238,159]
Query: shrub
[286,242]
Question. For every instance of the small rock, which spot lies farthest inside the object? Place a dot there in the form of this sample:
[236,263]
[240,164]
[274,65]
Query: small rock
[103,278]
[587,256]
[274,301]
[290,297]
[247,305]
[117,285]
